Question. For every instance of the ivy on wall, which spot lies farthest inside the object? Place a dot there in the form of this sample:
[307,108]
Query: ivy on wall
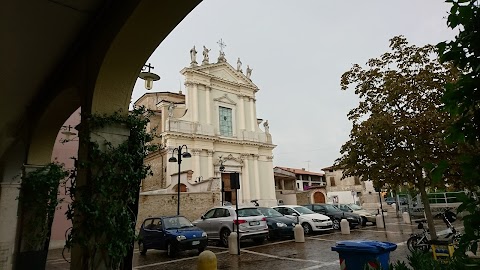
[38,201]
[105,203]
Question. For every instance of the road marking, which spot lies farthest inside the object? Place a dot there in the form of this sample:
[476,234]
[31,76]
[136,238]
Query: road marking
[322,265]
[281,258]
[400,232]
[172,261]
[322,239]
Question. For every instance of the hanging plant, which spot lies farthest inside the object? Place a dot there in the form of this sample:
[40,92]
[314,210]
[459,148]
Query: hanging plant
[105,193]
[39,200]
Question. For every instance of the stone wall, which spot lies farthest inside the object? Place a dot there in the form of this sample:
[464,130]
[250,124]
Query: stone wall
[192,204]
[303,197]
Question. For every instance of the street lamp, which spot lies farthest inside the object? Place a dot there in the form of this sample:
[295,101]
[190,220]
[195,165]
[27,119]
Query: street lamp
[178,159]
[148,76]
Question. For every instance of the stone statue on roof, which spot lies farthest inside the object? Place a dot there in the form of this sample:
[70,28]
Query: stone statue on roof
[170,109]
[221,57]
[205,55]
[193,56]
[239,65]
[249,71]
[266,126]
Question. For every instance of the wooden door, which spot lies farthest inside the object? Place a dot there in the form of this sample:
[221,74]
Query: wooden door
[318,197]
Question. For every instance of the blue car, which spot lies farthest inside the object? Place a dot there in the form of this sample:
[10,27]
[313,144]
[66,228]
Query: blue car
[173,234]
[279,226]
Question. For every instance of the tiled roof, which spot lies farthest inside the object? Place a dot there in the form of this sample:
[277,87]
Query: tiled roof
[301,171]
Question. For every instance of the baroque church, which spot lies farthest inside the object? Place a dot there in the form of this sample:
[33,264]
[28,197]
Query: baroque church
[216,122]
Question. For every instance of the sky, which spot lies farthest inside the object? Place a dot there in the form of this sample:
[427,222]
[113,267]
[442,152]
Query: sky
[298,51]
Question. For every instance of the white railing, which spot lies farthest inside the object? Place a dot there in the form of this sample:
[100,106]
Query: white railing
[209,130]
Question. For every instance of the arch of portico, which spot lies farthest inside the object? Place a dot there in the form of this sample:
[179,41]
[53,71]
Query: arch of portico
[99,77]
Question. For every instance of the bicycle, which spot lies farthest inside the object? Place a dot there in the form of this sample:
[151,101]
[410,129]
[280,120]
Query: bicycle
[421,241]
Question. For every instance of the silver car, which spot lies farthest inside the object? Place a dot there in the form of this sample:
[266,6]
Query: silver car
[220,221]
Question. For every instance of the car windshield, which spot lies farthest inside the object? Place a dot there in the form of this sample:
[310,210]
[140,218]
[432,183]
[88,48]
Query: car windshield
[331,208]
[303,210]
[269,212]
[176,223]
[355,207]
[248,212]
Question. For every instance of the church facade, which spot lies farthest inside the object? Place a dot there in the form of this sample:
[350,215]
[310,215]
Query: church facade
[216,123]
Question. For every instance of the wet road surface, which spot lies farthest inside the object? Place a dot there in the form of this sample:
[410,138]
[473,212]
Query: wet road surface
[315,253]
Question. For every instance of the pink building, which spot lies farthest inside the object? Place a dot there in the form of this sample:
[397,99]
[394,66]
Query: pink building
[65,149]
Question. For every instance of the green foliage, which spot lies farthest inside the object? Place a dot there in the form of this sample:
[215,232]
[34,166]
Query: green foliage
[397,132]
[38,199]
[462,99]
[102,208]
[425,261]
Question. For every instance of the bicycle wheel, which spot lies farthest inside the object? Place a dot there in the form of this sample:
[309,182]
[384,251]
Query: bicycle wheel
[417,243]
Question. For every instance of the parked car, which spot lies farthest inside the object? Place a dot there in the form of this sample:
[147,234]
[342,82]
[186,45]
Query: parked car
[391,200]
[173,234]
[220,221]
[335,214]
[309,220]
[364,214]
[278,224]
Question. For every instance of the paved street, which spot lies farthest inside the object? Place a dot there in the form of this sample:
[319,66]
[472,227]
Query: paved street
[315,253]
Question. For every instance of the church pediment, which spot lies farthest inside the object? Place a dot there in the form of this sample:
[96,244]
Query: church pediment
[225,72]
[225,99]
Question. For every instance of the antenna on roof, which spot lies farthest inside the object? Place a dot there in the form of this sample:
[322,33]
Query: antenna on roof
[308,165]
[180,86]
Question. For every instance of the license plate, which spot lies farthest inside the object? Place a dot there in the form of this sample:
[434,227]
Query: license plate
[194,243]
[254,223]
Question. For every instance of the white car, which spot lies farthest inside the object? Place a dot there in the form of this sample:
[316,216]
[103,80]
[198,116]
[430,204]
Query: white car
[310,221]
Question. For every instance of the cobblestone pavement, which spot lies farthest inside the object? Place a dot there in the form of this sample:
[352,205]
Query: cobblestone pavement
[315,253]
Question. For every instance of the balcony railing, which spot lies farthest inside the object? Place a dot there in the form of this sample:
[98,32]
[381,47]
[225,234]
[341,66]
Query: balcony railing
[209,130]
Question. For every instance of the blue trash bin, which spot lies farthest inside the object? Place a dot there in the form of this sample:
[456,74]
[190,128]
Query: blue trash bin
[356,254]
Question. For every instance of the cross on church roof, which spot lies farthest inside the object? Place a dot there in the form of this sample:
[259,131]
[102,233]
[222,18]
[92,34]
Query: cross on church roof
[221,44]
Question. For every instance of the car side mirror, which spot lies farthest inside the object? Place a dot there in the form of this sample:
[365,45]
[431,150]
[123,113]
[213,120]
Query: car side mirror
[295,214]
[203,217]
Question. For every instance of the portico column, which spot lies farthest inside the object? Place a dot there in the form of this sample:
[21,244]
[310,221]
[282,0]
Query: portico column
[207,97]
[8,222]
[196,163]
[195,102]
[241,112]
[245,179]
[210,163]
[253,121]
[257,176]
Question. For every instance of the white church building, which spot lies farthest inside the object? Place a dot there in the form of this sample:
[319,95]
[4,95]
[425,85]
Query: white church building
[216,120]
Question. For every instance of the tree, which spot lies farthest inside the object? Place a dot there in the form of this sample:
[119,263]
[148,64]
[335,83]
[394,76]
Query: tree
[462,99]
[397,133]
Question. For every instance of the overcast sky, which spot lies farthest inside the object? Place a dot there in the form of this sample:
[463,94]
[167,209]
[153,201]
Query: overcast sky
[298,50]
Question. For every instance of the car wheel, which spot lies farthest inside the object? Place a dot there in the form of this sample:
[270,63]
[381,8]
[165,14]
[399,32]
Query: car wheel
[259,240]
[171,252]
[336,224]
[224,237]
[364,221]
[141,248]
[307,229]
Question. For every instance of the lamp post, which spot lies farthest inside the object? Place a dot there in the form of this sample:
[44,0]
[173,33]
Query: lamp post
[178,159]
[222,169]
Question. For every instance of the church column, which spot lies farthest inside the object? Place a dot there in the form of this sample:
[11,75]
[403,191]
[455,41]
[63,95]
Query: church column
[245,179]
[209,110]
[195,102]
[196,163]
[241,112]
[210,164]
[271,175]
[257,176]
[253,119]
[8,223]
